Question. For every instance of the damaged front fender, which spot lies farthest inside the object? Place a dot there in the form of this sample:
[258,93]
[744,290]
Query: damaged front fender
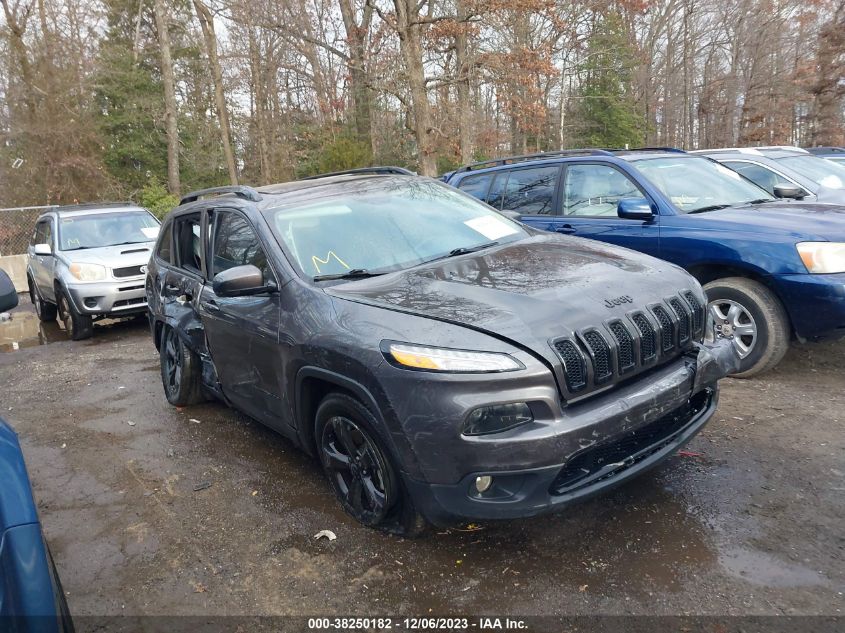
[710,362]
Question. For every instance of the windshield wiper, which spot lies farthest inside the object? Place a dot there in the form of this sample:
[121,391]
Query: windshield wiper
[355,273]
[712,207]
[79,248]
[463,250]
[760,201]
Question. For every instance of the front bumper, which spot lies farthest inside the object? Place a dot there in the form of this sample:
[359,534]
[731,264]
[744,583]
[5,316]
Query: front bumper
[113,298]
[815,303]
[587,449]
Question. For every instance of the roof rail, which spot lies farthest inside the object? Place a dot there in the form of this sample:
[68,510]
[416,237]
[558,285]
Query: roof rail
[729,150]
[91,205]
[495,162]
[676,150]
[241,191]
[398,171]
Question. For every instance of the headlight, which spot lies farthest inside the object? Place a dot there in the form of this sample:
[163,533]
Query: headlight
[822,257]
[88,272]
[450,360]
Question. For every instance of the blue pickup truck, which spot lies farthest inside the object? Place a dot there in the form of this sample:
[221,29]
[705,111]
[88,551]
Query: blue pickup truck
[773,270]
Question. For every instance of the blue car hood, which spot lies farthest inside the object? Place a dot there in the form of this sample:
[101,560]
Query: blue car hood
[17,506]
[804,221]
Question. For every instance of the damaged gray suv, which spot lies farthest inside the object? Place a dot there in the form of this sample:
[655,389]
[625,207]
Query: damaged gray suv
[442,361]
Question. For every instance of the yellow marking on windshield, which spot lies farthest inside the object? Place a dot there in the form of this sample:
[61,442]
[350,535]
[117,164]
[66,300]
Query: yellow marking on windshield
[329,256]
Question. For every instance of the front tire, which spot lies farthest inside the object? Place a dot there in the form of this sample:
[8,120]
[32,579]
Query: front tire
[78,326]
[45,311]
[360,469]
[181,373]
[749,315]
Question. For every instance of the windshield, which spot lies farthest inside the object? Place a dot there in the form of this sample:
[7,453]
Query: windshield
[378,226]
[819,170]
[106,229]
[697,184]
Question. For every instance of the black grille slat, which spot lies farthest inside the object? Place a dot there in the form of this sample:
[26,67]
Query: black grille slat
[684,318]
[574,365]
[667,329]
[602,365]
[648,337]
[697,312]
[625,346]
[128,271]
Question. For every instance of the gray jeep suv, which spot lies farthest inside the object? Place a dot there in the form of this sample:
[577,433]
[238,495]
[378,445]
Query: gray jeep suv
[87,262]
[443,361]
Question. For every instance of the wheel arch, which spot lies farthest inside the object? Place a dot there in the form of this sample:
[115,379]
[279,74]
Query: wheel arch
[312,385]
[707,272]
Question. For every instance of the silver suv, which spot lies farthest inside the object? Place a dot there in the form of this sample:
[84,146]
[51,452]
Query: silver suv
[786,172]
[87,262]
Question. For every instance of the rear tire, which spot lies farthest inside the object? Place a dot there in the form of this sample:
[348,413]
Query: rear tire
[45,311]
[740,305]
[78,326]
[181,371]
[360,470]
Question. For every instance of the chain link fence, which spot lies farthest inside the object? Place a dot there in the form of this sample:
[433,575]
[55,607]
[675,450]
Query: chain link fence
[16,228]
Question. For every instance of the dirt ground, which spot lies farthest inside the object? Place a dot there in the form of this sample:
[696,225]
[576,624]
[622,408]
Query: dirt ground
[155,510]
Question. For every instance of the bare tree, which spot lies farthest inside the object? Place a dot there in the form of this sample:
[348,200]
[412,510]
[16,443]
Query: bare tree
[162,18]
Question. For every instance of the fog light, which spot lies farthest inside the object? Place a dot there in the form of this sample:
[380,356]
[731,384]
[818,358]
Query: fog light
[497,418]
[483,483]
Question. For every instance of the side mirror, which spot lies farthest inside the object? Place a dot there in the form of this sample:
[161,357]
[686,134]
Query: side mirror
[43,249]
[241,281]
[8,295]
[635,209]
[786,190]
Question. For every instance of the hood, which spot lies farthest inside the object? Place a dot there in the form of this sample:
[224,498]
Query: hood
[545,287]
[112,256]
[803,220]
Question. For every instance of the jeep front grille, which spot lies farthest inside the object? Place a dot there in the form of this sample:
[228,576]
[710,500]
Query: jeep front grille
[626,346]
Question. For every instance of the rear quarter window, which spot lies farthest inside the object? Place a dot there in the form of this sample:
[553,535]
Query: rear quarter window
[477,185]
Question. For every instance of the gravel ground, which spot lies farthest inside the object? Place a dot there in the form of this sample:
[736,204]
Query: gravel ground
[155,510]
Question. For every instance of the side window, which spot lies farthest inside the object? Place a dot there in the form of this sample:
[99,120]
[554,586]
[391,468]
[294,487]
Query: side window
[476,185]
[531,190]
[45,233]
[497,189]
[236,244]
[38,234]
[595,190]
[164,250]
[188,243]
[759,175]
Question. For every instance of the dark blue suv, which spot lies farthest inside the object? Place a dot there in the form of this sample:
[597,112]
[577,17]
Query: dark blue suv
[772,270]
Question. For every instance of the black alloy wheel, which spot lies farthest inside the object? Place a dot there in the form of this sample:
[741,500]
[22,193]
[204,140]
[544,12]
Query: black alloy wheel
[358,471]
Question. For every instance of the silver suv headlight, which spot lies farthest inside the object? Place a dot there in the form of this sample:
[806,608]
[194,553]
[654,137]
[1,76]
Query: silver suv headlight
[87,272]
[822,257]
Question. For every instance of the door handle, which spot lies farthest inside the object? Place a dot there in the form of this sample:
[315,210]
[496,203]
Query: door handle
[211,306]
[566,229]
[171,288]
